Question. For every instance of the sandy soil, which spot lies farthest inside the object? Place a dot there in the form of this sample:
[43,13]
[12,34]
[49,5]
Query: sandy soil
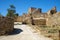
[24,32]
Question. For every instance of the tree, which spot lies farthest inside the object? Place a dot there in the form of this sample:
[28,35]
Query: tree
[11,11]
[17,14]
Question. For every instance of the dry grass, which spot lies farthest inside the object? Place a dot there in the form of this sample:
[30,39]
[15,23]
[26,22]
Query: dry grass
[51,32]
[47,31]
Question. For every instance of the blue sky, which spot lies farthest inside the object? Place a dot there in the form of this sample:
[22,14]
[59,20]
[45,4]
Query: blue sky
[22,6]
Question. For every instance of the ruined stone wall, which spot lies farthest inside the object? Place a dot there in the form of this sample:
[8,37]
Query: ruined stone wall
[50,17]
[40,22]
[54,20]
[27,17]
[32,9]
[6,25]
[19,19]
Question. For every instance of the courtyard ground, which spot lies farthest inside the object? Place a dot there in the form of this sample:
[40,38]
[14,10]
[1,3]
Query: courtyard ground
[24,32]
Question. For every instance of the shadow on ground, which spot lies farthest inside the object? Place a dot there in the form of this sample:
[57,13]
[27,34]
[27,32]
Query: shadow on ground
[16,31]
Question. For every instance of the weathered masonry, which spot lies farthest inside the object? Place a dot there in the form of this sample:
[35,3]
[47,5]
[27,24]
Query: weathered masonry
[6,25]
[50,18]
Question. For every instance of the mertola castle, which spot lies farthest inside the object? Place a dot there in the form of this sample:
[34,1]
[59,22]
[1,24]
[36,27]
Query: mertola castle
[37,17]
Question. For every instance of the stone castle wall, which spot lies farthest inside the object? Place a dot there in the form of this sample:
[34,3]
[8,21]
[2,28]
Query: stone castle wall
[48,17]
[40,22]
[6,25]
[49,23]
[54,20]
[19,19]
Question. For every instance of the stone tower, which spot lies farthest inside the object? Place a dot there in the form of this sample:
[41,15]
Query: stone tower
[34,10]
[31,9]
[40,10]
[53,10]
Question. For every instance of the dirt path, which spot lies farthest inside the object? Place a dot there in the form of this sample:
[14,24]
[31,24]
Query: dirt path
[24,32]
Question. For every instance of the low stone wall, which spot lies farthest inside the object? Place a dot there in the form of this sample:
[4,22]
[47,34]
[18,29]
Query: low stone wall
[19,19]
[40,22]
[6,25]
[35,21]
